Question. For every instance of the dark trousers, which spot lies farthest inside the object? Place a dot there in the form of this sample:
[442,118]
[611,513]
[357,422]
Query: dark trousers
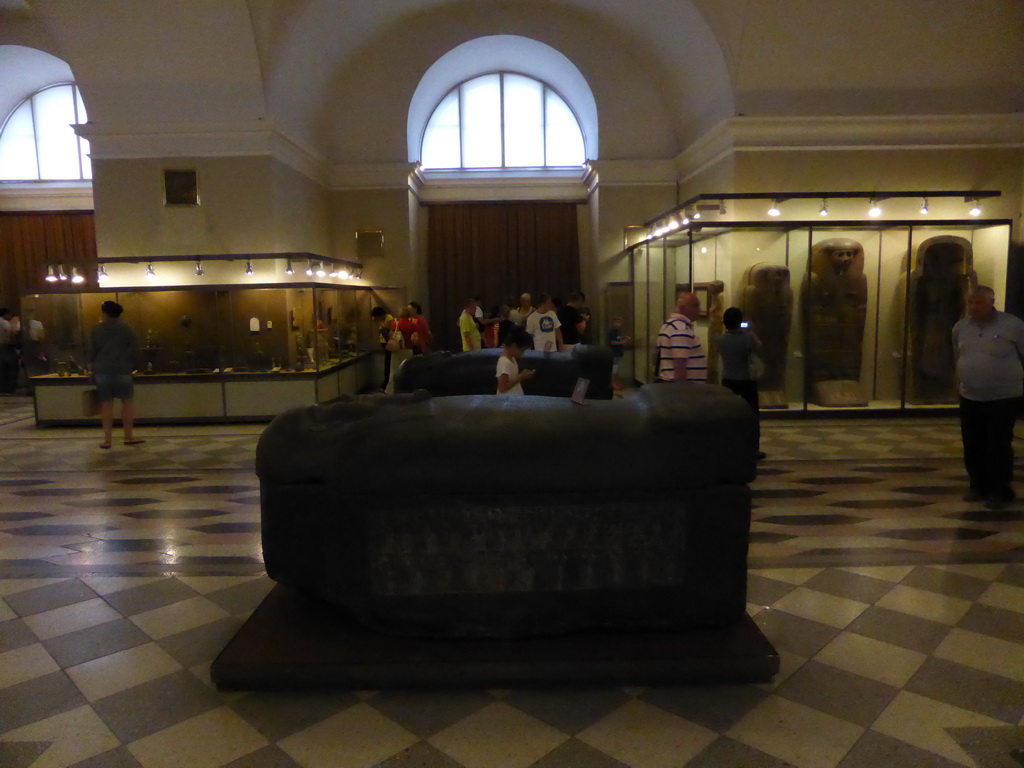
[8,368]
[747,389]
[986,427]
[387,366]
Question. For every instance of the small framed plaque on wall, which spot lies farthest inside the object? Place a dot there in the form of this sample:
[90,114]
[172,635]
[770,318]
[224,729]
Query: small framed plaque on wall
[181,187]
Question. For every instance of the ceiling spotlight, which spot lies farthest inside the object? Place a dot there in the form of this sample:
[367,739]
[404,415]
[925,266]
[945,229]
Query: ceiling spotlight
[343,274]
[320,271]
[61,275]
[696,215]
[686,220]
[924,206]
[199,268]
[309,267]
[248,266]
[721,208]
[774,210]
[334,271]
[149,272]
[673,223]
[51,276]
[823,211]
[703,249]
[289,269]
[75,277]
[874,209]
[976,210]
[101,275]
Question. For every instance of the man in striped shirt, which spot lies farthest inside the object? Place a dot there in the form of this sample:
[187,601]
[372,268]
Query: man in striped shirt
[680,354]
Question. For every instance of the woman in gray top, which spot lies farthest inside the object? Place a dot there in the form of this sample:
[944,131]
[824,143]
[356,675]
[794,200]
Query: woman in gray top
[736,347]
[113,354]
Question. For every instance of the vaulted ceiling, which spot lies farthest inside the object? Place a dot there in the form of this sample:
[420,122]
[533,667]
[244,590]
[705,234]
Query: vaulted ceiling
[337,76]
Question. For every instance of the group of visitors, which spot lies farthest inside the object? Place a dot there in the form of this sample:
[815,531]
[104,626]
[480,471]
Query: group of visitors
[988,347]
[553,325]
[21,347]
[400,338]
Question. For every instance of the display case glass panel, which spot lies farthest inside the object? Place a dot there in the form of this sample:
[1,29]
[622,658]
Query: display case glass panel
[851,315]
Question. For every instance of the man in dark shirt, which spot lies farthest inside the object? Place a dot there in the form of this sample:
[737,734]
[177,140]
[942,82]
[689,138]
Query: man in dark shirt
[572,320]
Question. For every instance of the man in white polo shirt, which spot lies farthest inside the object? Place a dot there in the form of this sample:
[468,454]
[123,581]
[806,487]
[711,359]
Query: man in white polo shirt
[680,354]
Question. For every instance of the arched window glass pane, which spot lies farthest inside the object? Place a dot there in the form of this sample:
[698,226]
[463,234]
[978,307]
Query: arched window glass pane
[481,122]
[18,147]
[524,122]
[37,142]
[441,138]
[564,140]
[58,144]
[83,144]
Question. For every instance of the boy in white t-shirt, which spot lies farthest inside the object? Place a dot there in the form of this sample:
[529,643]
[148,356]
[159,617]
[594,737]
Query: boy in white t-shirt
[510,378]
[544,326]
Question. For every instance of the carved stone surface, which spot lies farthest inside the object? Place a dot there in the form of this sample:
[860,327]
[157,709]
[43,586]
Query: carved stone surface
[473,373]
[766,299]
[834,299]
[942,277]
[448,516]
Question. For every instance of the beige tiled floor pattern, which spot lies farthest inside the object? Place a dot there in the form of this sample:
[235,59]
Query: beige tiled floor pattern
[104,658]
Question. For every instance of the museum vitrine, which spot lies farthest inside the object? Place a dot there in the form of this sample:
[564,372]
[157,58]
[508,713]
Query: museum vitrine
[855,314]
[217,352]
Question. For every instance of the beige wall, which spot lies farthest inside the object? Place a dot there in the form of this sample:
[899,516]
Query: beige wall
[301,215]
[387,210]
[235,214]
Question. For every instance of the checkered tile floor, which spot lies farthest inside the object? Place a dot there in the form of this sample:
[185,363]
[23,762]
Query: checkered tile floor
[898,611]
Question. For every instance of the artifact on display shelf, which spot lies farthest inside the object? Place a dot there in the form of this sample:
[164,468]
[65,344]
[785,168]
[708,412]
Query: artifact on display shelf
[834,299]
[942,277]
[766,300]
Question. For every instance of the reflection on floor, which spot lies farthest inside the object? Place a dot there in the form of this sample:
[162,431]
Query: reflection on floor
[897,608]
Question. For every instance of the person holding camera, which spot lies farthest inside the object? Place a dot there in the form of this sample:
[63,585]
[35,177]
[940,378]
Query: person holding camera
[740,350]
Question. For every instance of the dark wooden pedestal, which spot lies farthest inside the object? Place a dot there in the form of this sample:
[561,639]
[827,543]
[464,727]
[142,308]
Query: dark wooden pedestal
[294,642]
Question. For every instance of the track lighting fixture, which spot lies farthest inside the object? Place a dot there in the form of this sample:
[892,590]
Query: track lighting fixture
[51,276]
[976,209]
[334,271]
[823,211]
[150,273]
[75,277]
[248,266]
[309,268]
[320,271]
[61,274]
[874,209]
[289,269]
[199,268]
[343,274]
[924,206]
[101,275]
[774,210]
[721,208]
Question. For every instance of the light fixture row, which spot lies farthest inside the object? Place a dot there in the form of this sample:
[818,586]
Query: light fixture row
[58,273]
[874,208]
[684,217]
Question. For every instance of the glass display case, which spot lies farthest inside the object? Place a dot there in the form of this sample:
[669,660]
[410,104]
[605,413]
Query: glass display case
[217,353]
[851,315]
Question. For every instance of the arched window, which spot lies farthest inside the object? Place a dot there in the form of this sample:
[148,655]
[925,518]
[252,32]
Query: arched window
[37,142]
[502,120]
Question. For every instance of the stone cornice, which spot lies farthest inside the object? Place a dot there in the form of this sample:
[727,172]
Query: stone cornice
[146,141]
[827,133]
[46,196]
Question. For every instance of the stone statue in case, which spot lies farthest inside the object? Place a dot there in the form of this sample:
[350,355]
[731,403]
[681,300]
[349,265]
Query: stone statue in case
[766,299]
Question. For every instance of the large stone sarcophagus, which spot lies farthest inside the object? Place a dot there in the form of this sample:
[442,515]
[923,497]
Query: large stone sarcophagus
[486,516]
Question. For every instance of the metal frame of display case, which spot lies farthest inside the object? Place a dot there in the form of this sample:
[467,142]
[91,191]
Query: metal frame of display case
[647,306]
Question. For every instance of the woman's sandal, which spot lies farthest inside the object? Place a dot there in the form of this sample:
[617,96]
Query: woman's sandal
[134,441]
[105,446]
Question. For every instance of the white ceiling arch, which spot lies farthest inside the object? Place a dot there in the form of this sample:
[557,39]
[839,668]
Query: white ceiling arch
[503,53]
